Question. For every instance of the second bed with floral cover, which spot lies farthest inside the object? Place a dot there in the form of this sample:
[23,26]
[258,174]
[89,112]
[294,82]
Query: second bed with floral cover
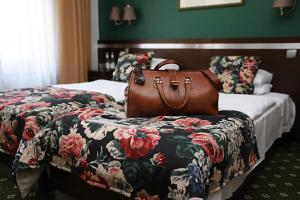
[23,112]
[167,157]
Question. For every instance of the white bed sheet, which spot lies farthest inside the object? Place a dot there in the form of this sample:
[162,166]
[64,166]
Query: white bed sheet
[273,115]
[269,127]
[113,88]
[252,105]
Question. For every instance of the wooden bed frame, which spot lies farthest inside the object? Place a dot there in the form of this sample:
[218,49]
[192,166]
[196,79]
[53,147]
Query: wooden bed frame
[195,54]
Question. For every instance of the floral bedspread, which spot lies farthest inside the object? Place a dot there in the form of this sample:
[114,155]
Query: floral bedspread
[23,112]
[164,157]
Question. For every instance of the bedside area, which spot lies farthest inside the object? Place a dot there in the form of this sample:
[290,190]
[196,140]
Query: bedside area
[95,75]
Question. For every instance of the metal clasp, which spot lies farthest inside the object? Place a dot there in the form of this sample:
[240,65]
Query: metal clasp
[187,80]
[157,80]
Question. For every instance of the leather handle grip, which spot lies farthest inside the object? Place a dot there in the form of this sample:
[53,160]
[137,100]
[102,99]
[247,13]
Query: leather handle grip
[166,62]
[166,101]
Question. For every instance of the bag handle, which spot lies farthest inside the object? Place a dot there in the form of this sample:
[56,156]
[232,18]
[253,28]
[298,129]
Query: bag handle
[213,79]
[166,62]
[187,82]
[211,76]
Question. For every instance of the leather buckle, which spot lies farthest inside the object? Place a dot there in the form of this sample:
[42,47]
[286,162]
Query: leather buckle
[174,84]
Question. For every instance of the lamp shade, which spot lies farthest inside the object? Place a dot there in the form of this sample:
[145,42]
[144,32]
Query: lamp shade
[283,3]
[129,13]
[115,14]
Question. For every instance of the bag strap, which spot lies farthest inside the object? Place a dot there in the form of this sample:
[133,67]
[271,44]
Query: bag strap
[173,79]
[187,81]
[166,62]
[213,78]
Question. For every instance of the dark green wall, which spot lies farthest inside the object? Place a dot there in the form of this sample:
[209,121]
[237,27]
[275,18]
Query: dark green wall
[161,19]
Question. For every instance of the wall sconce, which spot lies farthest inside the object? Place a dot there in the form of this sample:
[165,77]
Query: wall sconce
[281,4]
[129,15]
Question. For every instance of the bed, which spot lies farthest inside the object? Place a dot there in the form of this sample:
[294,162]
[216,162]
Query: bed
[23,112]
[263,109]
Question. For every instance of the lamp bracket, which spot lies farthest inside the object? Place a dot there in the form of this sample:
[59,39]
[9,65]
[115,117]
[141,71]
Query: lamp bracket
[289,10]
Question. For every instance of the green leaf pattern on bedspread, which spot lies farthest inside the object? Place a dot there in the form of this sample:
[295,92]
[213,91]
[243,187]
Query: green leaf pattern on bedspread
[23,112]
[174,157]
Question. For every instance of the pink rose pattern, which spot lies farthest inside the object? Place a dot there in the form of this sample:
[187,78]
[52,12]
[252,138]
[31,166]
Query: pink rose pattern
[252,158]
[191,123]
[98,98]
[159,159]
[70,147]
[24,112]
[129,159]
[89,113]
[31,128]
[94,180]
[236,72]
[209,145]
[137,142]
[8,140]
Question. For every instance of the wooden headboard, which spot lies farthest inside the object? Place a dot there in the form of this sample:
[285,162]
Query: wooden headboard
[196,54]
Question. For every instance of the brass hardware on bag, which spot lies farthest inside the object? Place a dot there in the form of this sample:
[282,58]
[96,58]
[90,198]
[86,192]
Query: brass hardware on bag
[157,80]
[171,104]
[174,84]
[188,80]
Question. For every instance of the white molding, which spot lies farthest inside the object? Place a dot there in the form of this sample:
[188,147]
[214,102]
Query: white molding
[203,46]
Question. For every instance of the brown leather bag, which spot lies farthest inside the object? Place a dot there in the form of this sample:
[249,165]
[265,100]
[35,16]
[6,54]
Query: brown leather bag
[173,93]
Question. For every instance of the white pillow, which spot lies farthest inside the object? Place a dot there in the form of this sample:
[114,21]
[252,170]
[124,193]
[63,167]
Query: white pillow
[156,61]
[262,77]
[263,89]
